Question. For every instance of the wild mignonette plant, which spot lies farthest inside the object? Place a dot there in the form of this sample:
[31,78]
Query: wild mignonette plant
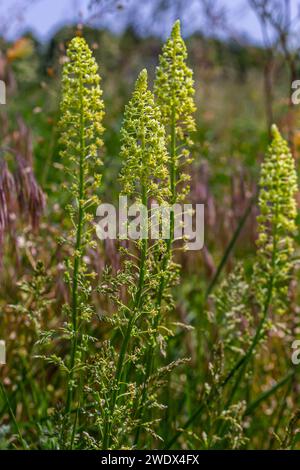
[275,244]
[271,279]
[276,226]
[82,112]
[144,178]
[174,92]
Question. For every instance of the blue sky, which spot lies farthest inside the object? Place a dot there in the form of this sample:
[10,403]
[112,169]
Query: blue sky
[45,16]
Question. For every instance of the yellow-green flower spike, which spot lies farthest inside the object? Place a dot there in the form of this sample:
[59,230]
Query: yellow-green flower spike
[82,113]
[174,84]
[276,222]
[143,145]
[174,90]
[82,108]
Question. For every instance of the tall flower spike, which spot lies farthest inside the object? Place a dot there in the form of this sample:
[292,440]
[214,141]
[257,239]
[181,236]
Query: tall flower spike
[144,176]
[81,125]
[143,146]
[82,108]
[276,224]
[174,90]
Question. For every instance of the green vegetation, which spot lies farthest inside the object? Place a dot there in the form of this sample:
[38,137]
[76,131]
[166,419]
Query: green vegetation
[141,344]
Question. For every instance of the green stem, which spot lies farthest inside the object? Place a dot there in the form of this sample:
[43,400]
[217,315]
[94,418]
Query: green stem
[135,309]
[78,405]
[77,256]
[162,283]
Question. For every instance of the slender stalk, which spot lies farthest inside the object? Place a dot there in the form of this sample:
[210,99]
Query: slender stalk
[78,406]
[77,255]
[162,283]
[135,309]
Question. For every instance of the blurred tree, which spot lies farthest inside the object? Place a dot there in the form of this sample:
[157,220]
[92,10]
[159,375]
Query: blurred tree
[279,27]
